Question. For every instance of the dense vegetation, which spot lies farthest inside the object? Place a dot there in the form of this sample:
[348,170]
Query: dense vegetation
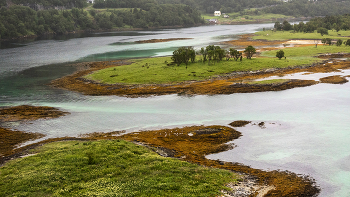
[205,6]
[310,8]
[321,24]
[18,21]
[107,168]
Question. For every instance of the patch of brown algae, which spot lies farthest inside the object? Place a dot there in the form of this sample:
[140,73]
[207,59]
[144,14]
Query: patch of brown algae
[334,79]
[27,112]
[9,139]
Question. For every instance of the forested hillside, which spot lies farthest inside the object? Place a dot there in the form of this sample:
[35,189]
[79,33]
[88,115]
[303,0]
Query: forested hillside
[17,21]
[46,4]
[205,6]
[310,8]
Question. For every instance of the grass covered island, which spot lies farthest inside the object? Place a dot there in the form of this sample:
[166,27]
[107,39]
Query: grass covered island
[159,76]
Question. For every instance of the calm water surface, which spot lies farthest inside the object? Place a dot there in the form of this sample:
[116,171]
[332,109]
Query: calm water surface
[307,130]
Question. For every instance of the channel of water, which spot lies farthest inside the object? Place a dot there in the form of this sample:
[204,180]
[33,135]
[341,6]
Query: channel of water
[307,130]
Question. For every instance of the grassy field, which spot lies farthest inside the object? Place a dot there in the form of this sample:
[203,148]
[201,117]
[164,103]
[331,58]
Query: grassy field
[156,71]
[107,168]
[288,35]
[306,52]
[237,17]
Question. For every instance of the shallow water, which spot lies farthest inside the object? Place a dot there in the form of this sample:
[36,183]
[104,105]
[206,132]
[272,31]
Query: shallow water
[307,129]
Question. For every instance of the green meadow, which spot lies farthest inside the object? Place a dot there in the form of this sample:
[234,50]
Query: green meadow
[288,35]
[309,51]
[239,17]
[158,70]
[107,168]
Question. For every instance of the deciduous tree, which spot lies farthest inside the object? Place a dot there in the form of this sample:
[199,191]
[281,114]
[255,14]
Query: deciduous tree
[249,51]
[280,54]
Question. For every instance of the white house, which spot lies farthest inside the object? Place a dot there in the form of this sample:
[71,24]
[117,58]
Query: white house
[90,1]
[217,13]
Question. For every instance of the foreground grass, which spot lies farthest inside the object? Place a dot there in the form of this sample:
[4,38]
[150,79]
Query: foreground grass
[156,70]
[288,35]
[107,168]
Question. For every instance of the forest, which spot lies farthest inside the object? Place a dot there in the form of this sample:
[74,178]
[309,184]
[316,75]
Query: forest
[309,8]
[38,17]
[17,21]
[337,22]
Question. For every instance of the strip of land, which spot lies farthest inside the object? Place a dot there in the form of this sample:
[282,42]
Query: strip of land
[161,40]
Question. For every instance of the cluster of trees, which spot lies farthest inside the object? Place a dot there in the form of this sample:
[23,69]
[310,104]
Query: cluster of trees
[321,24]
[184,55]
[338,43]
[18,21]
[209,53]
[310,8]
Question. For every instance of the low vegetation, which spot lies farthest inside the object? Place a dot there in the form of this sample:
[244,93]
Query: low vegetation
[160,70]
[272,81]
[104,168]
[288,35]
[308,51]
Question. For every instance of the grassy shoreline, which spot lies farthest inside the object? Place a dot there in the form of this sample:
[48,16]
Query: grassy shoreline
[102,168]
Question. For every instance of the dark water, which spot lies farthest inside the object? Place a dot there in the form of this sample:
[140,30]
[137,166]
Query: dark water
[307,129]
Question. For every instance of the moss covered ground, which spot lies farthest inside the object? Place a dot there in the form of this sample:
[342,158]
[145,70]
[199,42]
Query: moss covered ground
[107,168]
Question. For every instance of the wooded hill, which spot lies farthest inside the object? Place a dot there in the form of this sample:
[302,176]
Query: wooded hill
[17,21]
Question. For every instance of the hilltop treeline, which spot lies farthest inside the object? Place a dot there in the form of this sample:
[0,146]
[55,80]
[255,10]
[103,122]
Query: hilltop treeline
[47,3]
[17,21]
[309,8]
[329,22]
[205,6]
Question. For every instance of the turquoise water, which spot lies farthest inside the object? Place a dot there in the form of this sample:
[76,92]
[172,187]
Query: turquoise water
[307,130]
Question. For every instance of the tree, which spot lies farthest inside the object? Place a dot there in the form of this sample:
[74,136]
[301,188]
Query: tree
[339,42]
[347,43]
[204,53]
[324,40]
[328,41]
[249,51]
[219,53]
[322,31]
[235,54]
[278,26]
[280,54]
[287,26]
[183,55]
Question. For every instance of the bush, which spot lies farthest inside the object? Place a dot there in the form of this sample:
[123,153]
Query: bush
[280,54]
